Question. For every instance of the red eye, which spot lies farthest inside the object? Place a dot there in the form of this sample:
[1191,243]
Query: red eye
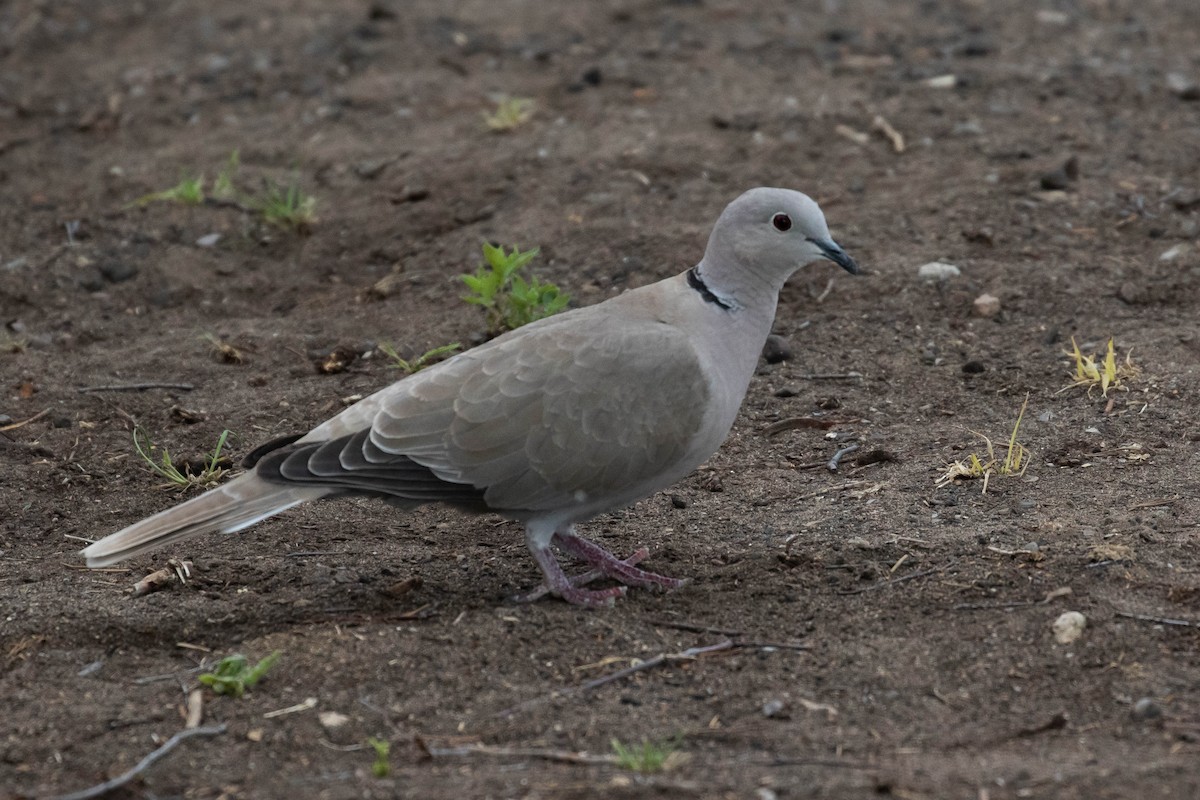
[782,222]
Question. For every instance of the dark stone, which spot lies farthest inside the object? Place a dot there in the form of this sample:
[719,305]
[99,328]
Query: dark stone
[776,349]
[974,367]
[118,271]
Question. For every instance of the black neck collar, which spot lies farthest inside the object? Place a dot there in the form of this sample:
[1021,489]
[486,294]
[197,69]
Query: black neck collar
[696,282]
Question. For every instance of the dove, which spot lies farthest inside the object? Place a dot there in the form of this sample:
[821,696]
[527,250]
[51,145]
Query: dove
[552,424]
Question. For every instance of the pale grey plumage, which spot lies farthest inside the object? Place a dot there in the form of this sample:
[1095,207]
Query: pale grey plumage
[556,422]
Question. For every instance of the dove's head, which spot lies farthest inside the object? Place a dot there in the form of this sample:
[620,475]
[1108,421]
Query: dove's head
[770,233]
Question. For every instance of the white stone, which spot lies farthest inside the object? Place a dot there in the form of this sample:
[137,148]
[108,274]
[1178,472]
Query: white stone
[938,271]
[987,305]
[1069,627]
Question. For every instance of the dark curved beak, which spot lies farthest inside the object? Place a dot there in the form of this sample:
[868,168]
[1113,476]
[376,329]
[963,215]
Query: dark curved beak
[831,250]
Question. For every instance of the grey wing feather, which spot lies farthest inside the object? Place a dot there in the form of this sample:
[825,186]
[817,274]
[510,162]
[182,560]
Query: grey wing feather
[590,406]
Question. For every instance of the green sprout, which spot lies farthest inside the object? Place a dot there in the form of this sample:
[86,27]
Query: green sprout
[210,474]
[510,113]
[382,748]
[233,674]
[189,191]
[419,363]
[509,300]
[646,757]
[223,188]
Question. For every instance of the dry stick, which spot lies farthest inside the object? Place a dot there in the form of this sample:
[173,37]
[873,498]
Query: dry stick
[36,416]
[1182,623]
[136,387]
[880,584]
[832,376]
[662,658]
[694,628]
[521,752]
[101,789]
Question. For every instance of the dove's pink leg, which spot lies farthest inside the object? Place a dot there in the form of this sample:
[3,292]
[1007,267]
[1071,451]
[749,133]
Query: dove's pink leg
[610,565]
[557,583]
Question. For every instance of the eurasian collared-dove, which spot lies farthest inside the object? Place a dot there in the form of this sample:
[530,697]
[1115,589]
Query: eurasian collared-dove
[554,423]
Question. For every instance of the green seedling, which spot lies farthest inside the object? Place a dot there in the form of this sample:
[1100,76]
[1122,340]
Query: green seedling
[382,748]
[510,113]
[1015,461]
[210,475]
[286,207]
[189,191]
[509,300]
[648,756]
[223,188]
[422,361]
[1107,374]
[233,674]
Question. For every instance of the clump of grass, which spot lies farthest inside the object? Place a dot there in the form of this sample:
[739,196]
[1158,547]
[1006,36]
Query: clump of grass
[648,756]
[383,749]
[1106,374]
[182,479]
[285,206]
[510,113]
[1015,461]
[233,674]
[510,300]
[420,362]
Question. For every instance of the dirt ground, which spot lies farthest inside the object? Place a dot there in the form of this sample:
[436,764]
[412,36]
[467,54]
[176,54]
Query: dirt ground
[888,637]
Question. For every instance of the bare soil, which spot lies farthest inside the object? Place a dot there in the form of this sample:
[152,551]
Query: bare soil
[891,638]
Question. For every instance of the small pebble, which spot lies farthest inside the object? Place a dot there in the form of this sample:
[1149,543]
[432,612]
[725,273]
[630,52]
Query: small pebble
[1069,627]
[787,391]
[208,240]
[987,305]
[773,709]
[118,271]
[1182,86]
[937,271]
[678,501]
[1147,709]
[1174,253]
[332,719]
[974,368]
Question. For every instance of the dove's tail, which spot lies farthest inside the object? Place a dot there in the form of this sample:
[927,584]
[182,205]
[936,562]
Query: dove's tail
[229,508]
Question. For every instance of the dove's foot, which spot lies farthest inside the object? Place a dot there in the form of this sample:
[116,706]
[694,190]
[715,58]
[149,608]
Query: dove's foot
[623,571]
[570,589]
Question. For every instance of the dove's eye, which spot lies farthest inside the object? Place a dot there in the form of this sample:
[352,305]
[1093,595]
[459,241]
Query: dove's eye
[782,222]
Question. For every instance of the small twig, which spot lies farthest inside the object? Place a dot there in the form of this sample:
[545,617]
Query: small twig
[116,783]
[1166,501]
[828,288]
[36,416]
[662,658]
[839,455]
[688,626]
[195,709]
[1182,623]
[136,387]
[521,752]
[832,376]
[882,584]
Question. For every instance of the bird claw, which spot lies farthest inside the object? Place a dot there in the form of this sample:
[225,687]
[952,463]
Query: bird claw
[604,565]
